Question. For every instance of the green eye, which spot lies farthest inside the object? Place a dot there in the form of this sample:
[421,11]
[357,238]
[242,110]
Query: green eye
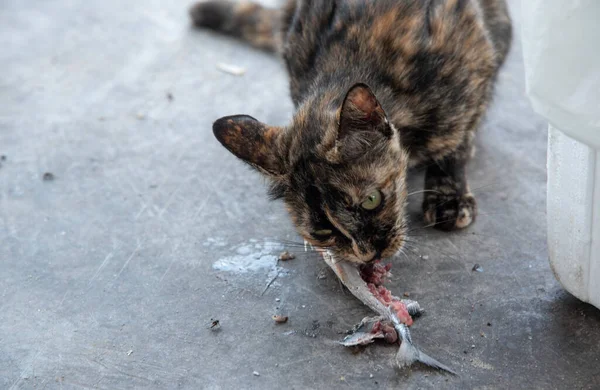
[373,201]
[323,233]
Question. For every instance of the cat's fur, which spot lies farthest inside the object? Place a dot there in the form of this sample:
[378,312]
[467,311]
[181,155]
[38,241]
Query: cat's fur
[379,85]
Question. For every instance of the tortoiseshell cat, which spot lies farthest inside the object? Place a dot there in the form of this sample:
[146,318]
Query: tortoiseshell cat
[379,86]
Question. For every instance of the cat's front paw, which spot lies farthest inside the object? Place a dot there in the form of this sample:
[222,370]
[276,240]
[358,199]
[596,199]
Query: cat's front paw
[449,211]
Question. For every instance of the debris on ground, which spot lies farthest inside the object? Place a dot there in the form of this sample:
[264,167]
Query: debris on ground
[140,116]
[285,256]
[406,294]
[231,69]
[129,352]
[322,274]
[255,373]
[48,176]
[477,268]
[279,319]
[170,96]
[425,257]
[214,324]
[3,158]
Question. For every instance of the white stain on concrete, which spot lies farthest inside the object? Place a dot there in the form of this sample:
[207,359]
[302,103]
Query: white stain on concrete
[253,256]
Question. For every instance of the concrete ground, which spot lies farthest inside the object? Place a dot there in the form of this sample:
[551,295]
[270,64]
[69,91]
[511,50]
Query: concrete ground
[113,271]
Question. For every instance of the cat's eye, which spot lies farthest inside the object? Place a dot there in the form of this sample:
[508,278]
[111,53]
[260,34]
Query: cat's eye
[323,233]
[373,201]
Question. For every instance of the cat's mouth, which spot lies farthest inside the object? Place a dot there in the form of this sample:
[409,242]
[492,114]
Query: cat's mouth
[353,258]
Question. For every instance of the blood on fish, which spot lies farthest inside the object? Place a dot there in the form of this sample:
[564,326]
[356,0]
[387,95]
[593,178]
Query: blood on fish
[376,327]
[374,275]
[387,329]
[389,333]
[375,272]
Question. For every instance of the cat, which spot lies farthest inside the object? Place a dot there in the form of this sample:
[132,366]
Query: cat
[379,86]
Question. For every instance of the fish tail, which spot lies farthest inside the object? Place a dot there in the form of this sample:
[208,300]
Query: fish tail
[408,353]
[431,362]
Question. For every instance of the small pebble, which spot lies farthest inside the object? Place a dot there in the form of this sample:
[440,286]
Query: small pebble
[303,306]
[489,324]
[3,158]
[370,375]
[48,176]
[425,257]
[285,256]
[473,346]
[477,268]
[129,352]
[277,300]
[280,319]
[406,294]
[140,116]
[256,373]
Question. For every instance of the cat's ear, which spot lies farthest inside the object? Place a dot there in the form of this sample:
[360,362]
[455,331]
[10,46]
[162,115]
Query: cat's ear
[252,141]
[362,125]
[362,112]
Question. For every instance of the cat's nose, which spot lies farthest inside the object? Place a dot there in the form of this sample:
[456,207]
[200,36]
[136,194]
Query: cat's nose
[364,255]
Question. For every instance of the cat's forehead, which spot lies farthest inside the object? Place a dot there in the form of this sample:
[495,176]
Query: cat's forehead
[362,181]
[353,182]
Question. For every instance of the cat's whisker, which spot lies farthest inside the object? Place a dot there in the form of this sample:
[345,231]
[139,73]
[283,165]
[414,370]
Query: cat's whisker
[463,237]
[423,191]
[472,191]
[426,226]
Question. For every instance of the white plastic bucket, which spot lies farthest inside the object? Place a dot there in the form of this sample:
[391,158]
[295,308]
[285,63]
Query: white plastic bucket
[561,49]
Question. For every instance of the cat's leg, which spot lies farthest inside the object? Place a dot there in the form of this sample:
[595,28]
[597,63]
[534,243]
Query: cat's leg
[448,203]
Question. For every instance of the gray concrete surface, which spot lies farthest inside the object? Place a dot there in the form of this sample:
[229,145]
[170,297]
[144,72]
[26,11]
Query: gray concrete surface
[111,273]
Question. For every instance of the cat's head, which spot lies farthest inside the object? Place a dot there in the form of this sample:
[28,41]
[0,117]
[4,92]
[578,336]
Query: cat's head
[338,167]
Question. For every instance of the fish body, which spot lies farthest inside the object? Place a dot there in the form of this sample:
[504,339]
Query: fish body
[397,312]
